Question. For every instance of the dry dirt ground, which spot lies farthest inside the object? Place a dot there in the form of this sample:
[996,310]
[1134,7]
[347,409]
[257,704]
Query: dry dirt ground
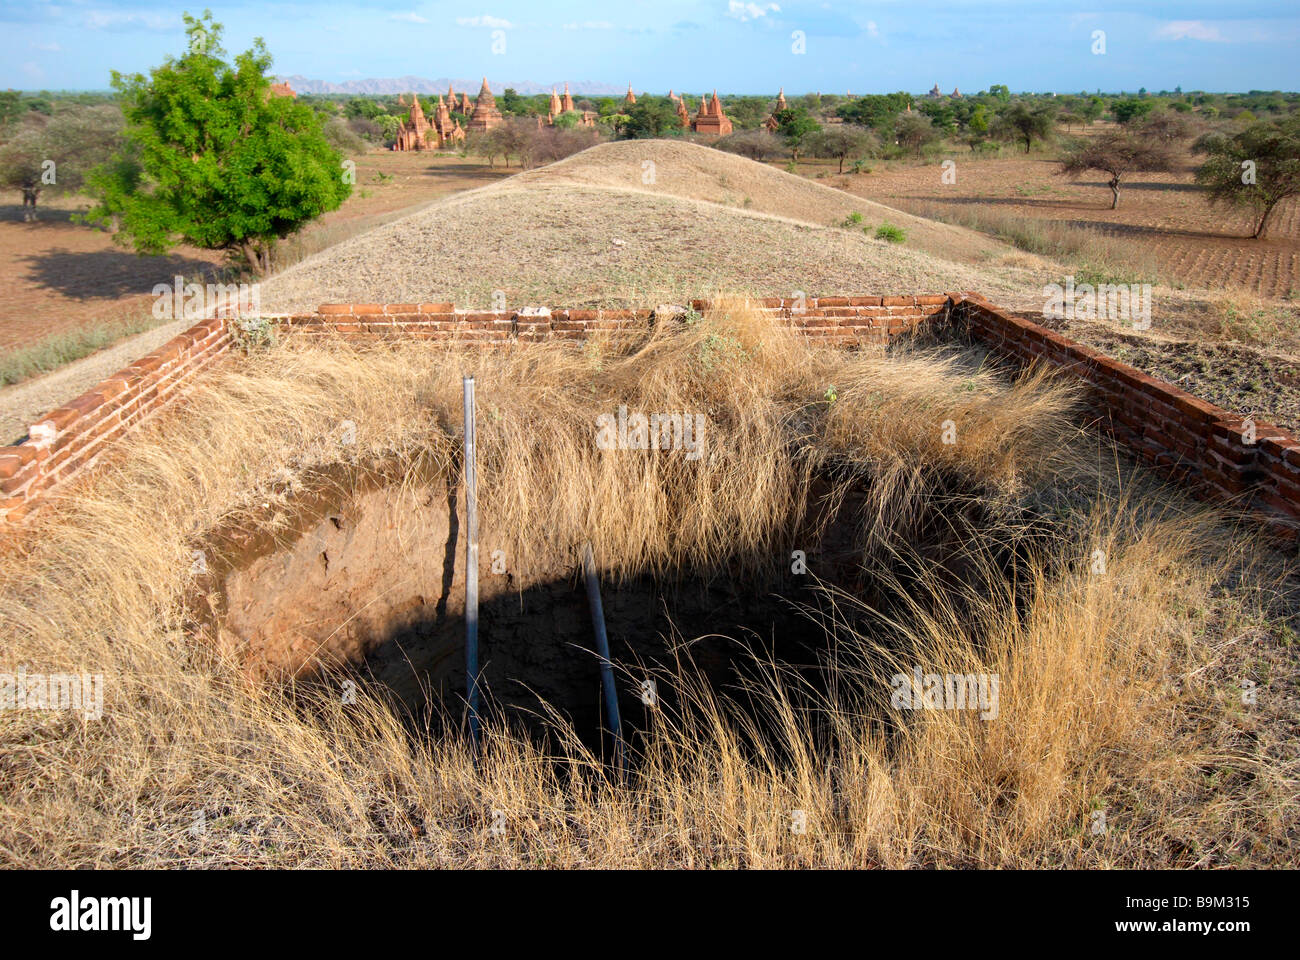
[638,222]
[1164,215]
[61,275]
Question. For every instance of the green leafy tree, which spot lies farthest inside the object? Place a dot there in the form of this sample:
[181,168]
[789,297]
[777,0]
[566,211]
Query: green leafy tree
[794,126]
[1126,111]
[512,104]
[365,108]
[874,110]
[567,120]
[56,153]
[1092,110]
[10,107]
[1118,153]
[1023,122]
[841,141]
[1255,170]
[913,131]
[941,114]
[746,112]
[222,164]
[388,126]
[648,118]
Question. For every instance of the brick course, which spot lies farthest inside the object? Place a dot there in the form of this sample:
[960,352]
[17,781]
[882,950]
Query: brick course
[1186,437]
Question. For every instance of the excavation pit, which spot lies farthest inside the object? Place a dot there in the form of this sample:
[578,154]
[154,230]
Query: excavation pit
[366,582]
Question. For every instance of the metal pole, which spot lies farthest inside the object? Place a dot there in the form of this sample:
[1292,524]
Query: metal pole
[471,564]
[602,650]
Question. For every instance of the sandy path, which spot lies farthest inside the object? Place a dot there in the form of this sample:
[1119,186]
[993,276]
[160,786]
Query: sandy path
[22,404]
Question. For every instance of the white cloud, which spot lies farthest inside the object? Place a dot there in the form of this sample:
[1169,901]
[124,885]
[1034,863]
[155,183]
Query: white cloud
[744,12]
[1191,30]
[117,20]
[483,21]
[590,25]
[46,47]
[33,71]
[408,17]
[872,29]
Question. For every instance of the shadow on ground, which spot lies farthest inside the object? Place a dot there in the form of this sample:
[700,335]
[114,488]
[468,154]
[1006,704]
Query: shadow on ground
[109,274]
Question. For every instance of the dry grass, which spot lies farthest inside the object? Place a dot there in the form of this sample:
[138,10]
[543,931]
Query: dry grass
[1117,689]
[61,348]
[1094,256]
[548,237]
[1241,315]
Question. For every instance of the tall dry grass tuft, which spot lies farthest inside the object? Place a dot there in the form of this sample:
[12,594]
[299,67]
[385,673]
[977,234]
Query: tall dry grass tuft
[1108,695]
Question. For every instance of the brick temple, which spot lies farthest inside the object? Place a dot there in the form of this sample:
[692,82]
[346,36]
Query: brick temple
[711,121]
[485,115]
[419,133]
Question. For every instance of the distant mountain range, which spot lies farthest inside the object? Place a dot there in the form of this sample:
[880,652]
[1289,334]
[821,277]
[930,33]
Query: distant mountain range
[392,85]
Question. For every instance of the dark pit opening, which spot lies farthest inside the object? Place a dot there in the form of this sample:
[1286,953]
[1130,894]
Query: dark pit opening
[366,580]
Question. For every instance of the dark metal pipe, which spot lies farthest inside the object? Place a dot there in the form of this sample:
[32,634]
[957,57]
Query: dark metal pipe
[602,651]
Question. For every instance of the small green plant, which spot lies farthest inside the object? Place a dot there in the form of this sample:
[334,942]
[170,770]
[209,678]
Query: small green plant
[1098,276]
[719,350]
[854,219]
[381,177]
[890,233]
[692,317]
[253,333]
[831,395]
[860,166]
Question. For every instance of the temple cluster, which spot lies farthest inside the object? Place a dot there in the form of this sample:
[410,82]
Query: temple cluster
[419,132]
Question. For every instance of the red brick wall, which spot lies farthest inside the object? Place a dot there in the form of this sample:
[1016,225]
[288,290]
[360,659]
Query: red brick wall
[1186,436]
[68,440]
[844,319]
[1183,435]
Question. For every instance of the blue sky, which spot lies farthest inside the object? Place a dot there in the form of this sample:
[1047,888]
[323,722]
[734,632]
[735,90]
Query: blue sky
[738,46]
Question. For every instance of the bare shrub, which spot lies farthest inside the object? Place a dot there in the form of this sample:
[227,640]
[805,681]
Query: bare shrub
[757,144]
[549,144]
